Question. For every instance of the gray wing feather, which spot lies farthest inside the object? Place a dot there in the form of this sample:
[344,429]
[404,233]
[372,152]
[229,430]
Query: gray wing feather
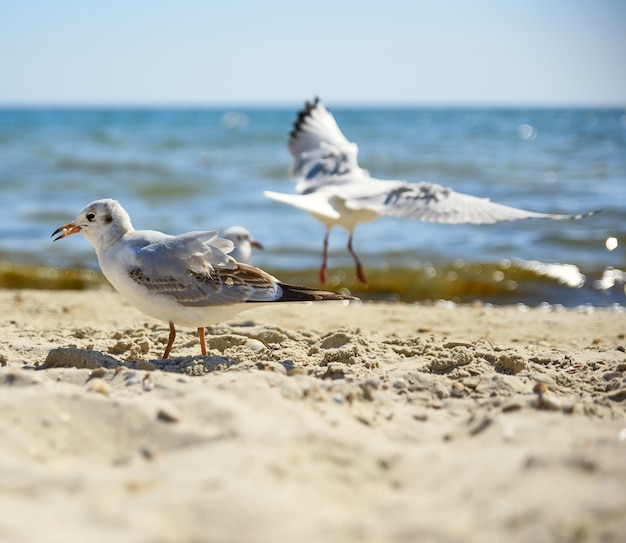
[321,154]
[222,287]
[434,203]
[199,251]
[194,270]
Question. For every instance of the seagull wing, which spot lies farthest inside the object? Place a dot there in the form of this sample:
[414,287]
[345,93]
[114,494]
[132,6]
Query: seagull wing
[194,251]
[433,203]
[321,154]
[316,203]
[227,287]
[195,270]
[324,164]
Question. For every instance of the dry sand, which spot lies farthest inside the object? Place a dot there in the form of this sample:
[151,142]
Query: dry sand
[370,423]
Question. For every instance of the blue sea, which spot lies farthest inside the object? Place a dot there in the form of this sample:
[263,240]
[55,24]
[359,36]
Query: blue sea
[181,169]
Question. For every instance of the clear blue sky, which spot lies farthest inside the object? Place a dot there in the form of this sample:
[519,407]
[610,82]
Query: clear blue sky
[517,52]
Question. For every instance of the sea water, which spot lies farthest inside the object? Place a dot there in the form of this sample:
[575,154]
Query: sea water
[182,169]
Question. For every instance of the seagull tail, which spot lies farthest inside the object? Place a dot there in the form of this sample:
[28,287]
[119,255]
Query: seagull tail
[294,293]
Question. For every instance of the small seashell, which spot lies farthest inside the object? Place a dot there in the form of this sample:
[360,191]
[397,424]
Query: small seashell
[508,432]
[148,385]
[136,487]
[399,383]
[168,414]
[100,386]
[255,345]
[540,388]
[458,389]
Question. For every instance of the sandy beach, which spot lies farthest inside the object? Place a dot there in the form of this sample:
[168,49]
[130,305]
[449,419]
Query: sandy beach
[369,422]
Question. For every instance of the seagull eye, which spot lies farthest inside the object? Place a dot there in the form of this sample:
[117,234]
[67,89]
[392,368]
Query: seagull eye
[91,216]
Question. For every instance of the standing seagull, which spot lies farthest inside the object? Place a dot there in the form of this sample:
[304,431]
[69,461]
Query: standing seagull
[334,189]
[188,279]
[243,241]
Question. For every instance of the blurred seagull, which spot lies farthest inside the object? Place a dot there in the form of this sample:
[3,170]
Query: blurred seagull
[243,242]
[188,279]
[334,189]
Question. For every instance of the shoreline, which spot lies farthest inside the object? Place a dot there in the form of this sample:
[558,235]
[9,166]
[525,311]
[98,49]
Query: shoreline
[501,283]
[370,422]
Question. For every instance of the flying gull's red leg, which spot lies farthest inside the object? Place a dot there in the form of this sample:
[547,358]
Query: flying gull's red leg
[359,269]
[323,276]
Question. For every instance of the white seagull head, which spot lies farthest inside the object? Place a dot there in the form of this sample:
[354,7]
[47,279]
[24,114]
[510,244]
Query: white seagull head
[243,241]
[102,223]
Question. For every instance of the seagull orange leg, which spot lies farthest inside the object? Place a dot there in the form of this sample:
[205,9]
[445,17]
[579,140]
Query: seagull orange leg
[323,276]
[170,341]
[202,342]
[359,269]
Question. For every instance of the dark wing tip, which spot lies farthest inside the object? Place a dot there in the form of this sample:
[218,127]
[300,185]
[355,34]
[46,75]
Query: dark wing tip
[591,213]
[303,114]
[578,216]
[295,293]
[588,214]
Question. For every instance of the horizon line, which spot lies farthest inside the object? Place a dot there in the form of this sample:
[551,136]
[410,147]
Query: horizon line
[342,103]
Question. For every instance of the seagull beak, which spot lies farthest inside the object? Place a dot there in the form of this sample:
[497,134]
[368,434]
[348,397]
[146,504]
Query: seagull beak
[66,230]
[254,243]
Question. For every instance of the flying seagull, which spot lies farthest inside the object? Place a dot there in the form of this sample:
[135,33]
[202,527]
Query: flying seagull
[334,189]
